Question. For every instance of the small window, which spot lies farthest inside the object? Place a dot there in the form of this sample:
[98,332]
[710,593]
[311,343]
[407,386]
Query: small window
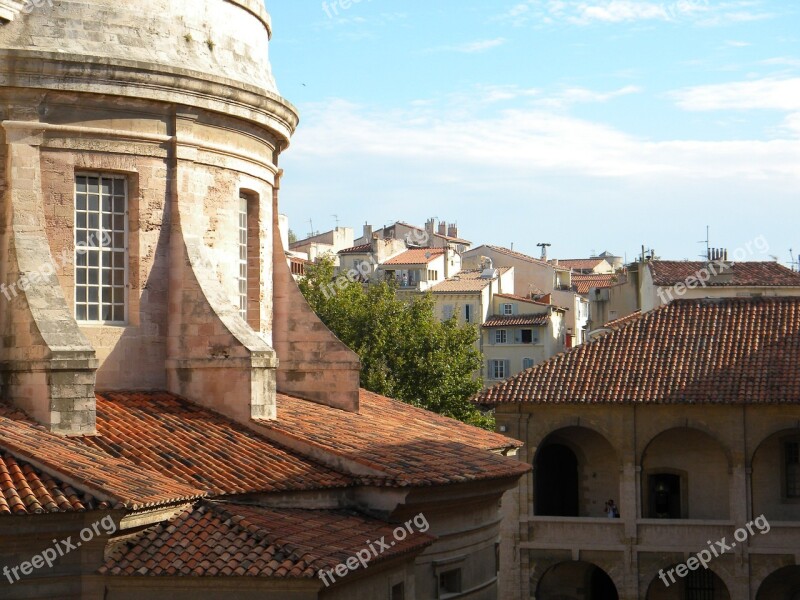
[447,312]
[497,369]
[101,252]
[500,336]
[449,583]
[508,309]
[243,243]
[527,336]
[527,363]
[468,313]
[792,464]
[398,592]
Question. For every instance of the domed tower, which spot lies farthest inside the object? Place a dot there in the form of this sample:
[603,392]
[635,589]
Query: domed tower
[138,213]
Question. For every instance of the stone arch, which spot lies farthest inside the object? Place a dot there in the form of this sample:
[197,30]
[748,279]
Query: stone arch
[575,580]
[702,581]
[783,584]
[685,475]
[770,482]
[596,473]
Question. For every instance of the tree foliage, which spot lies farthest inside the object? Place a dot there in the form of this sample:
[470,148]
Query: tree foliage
[405,352]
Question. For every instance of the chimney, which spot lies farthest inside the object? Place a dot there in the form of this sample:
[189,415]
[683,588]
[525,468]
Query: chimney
[452,230]
[442,228]
[719,268]
[429,224]
[367,232]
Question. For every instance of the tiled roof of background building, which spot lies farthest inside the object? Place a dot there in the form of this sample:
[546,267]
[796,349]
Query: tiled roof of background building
[117,481]
[754,274]
[361,249]
[224,539]
[584,283]
[524,299]
[411,446]
[416,256]
[622,321]
[712,351]
[25,490]
[188,443]
[518,321]
[525,257]
[466,281]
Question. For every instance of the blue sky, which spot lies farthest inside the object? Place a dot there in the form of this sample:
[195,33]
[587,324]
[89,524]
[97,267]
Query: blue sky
[592,125]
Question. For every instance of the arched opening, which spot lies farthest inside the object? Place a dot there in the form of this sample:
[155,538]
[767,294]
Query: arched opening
[700,584]
[776,476]
[783,584]
[557,482]
[685,475]
[576,581]
[576,471]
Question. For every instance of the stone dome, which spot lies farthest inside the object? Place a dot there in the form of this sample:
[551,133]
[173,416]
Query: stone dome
[211,54]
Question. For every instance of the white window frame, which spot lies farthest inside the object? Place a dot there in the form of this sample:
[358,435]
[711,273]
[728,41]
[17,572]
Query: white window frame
[244,239]
[508,310]
[112,249]
[468,316]
[500,336]
[497,368]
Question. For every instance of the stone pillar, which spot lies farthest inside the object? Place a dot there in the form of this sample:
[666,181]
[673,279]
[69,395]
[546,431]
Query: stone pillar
[214,357]
[47,365]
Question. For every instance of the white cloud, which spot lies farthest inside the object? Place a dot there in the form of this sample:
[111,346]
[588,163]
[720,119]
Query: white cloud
[768,93]
[524,144]
[579,95]
[470,47]
[582,12]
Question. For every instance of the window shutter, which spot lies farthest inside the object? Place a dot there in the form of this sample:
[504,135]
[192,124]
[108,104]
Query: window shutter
[492,336]
[507,369]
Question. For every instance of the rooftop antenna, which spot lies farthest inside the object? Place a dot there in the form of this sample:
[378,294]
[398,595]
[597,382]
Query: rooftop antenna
[707,242]
[544,248]
[337,220]
[311,223]
[794,264]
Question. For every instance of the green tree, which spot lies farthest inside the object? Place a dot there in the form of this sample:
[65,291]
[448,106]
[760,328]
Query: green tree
[292,237]
[405,352]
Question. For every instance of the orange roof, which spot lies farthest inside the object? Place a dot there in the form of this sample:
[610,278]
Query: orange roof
[622,321]
[466,281]
[584,283]
[518,321]
[524,299]
[752,274]
[360,249]
[523,257]
[25,490]
[121,483]
[225,539]
[580,263]
[416,256]
[710,351]
[410,445]
[201,448]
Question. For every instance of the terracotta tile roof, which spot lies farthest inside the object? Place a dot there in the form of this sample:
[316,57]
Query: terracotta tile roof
[196,446]
[117,481]
[579,264]
[416,256]
[518,321]
[752,274]
[25,490]
[524,299]
[715,351]
[223,539]
[623,321]
[360,249]
[413,447]
[523,257]
[466,281]
[584,283]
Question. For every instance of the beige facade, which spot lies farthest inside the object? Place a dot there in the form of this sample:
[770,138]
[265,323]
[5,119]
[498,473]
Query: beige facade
[727,462]
[324,244]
